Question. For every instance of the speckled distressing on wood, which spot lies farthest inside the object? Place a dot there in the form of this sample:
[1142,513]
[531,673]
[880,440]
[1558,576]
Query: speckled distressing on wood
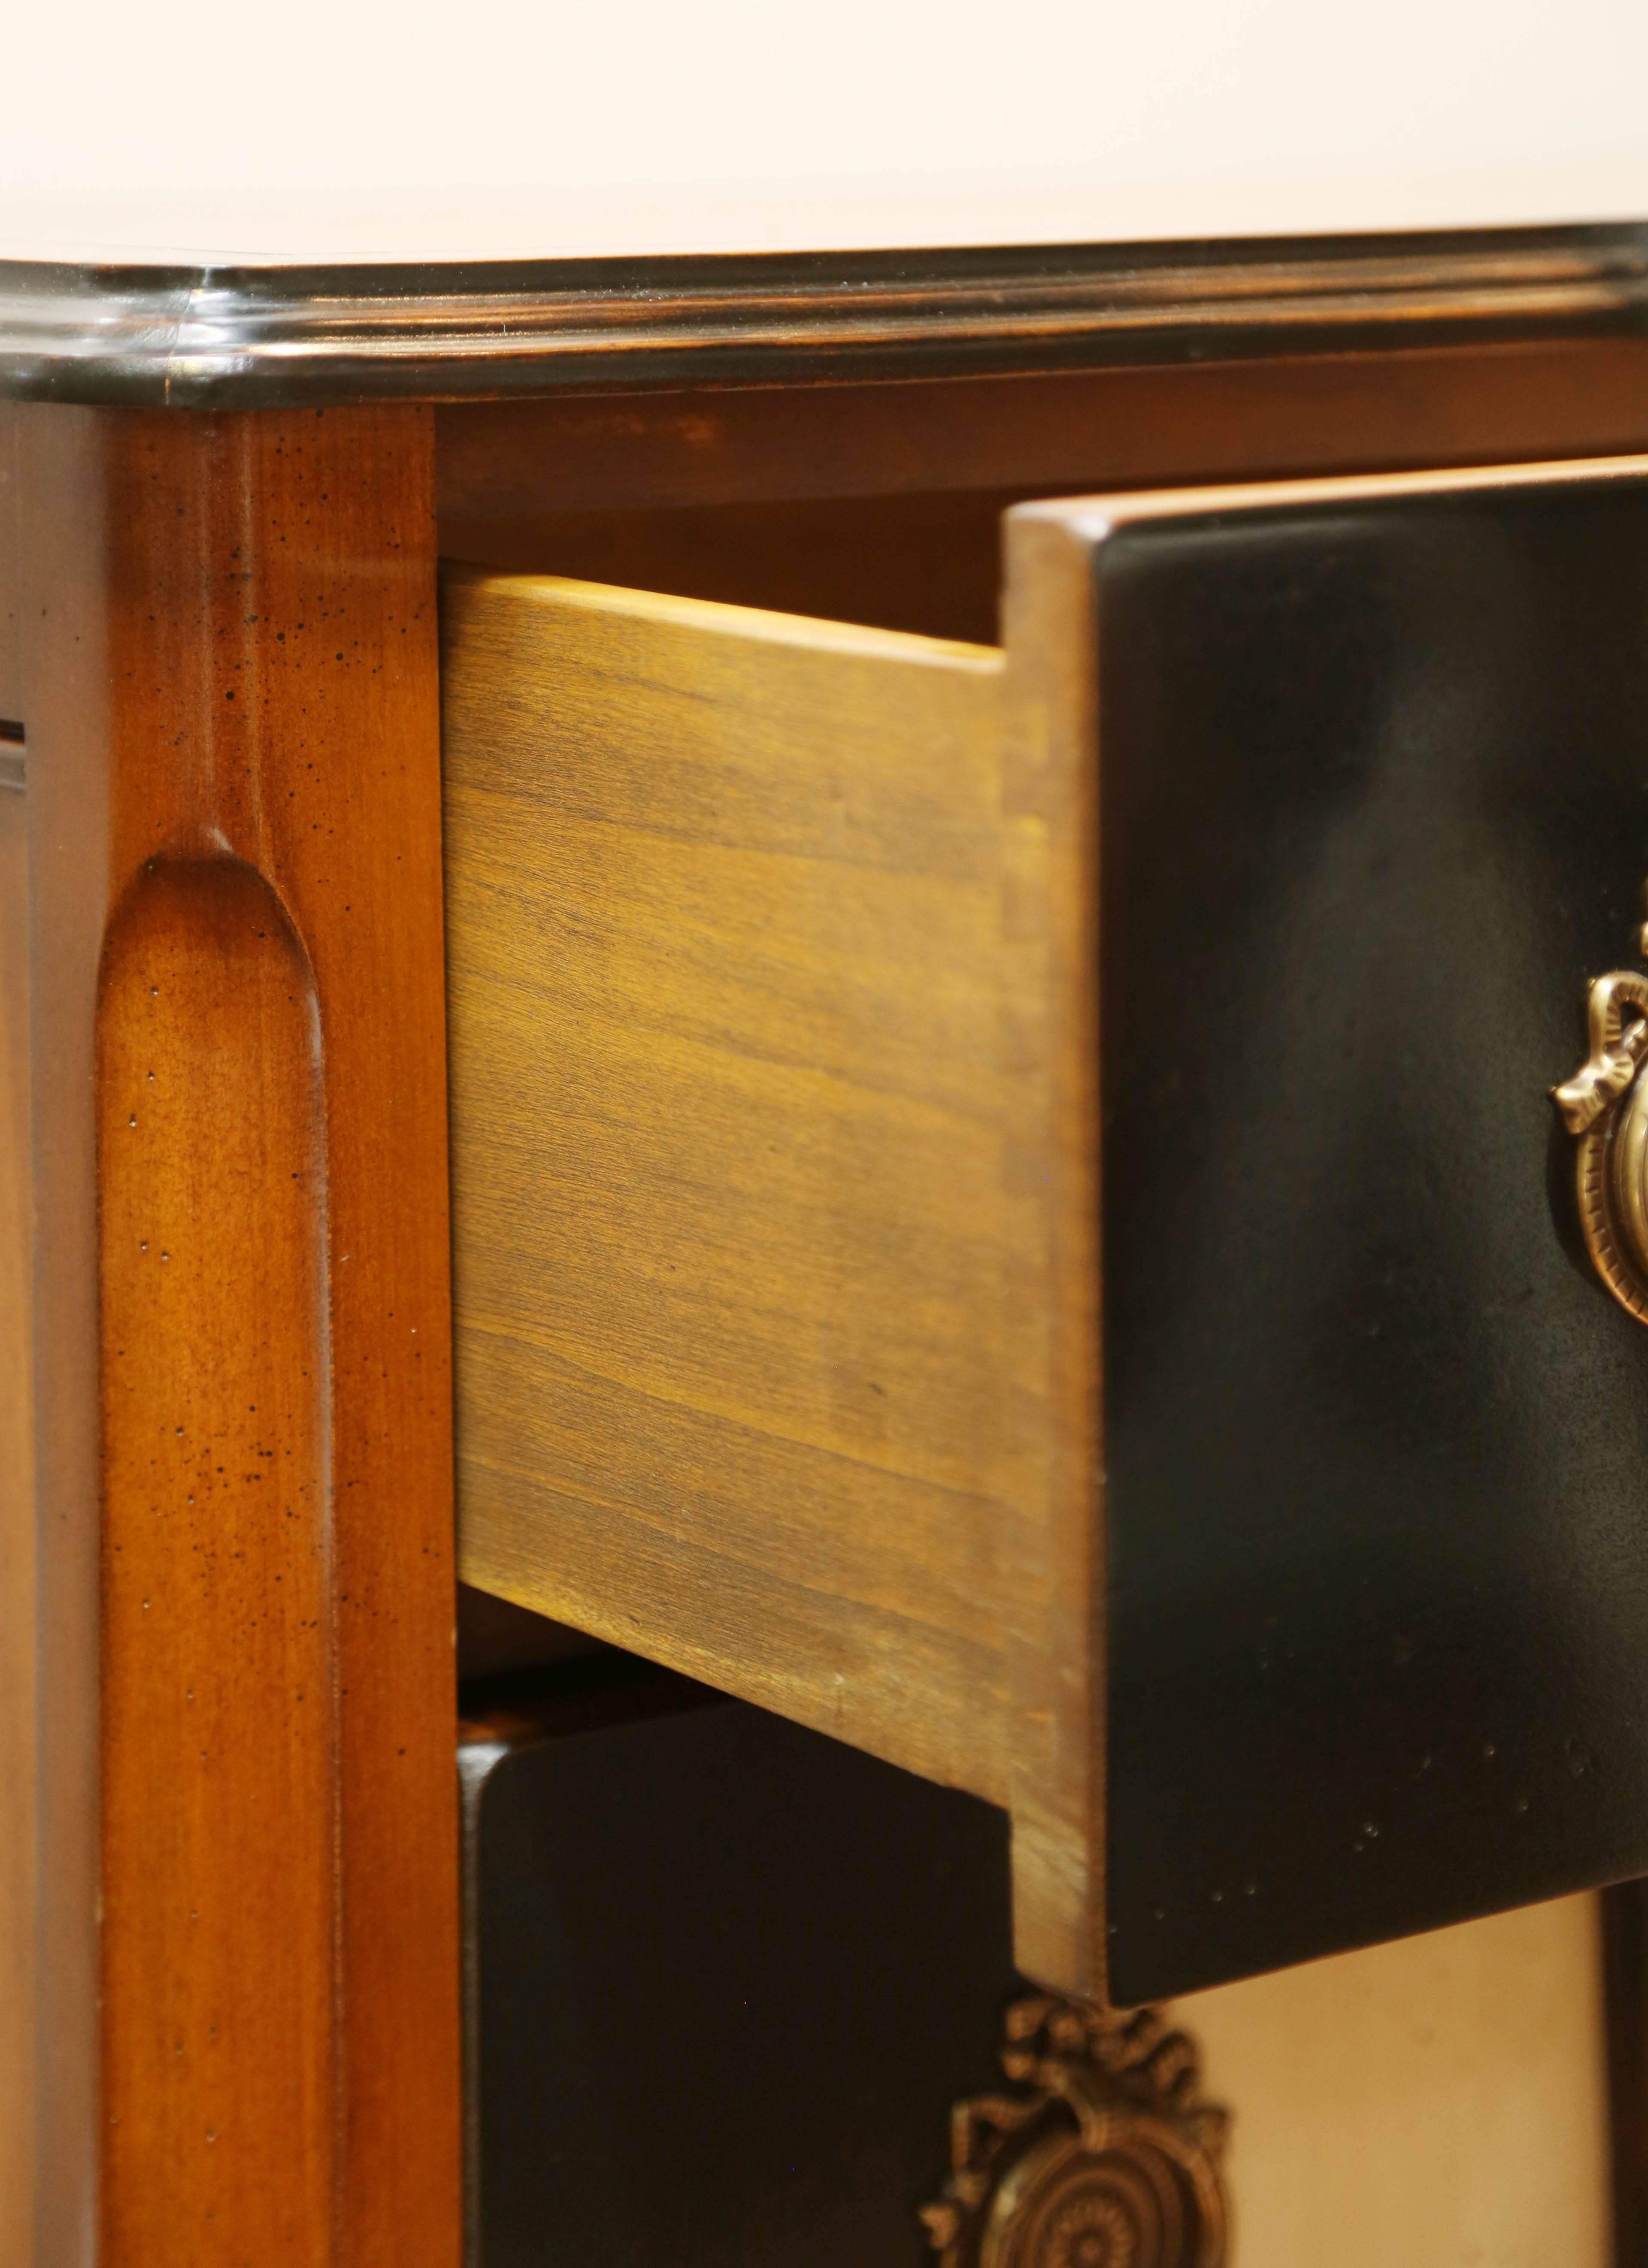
[250,635]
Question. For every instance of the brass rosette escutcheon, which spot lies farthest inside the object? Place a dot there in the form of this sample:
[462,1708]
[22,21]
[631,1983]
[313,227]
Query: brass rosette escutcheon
[1102,2156]
[1604,1104]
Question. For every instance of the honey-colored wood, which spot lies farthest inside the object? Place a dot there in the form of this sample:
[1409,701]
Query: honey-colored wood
[769,949]
[729,1235]
[239,640]
[16,1553]
[771,960]
[17,1447]
[218,1625]
[1050,815]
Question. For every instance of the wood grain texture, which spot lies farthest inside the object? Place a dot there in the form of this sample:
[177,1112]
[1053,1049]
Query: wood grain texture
[774,1118]
[239,635]
[1051,819]
[218,1629]
[730,1238]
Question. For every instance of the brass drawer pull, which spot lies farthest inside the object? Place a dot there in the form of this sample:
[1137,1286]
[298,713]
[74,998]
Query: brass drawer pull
[1104,2154]
[1605,1105]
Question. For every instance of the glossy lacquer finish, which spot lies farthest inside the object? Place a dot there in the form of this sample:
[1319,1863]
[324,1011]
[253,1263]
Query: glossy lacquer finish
[1374,806]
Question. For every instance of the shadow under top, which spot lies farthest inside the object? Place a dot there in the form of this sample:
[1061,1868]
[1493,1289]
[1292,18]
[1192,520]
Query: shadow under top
[241,336]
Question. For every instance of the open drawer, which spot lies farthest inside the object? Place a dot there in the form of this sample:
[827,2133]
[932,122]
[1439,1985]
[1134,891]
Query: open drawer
[1008,1205]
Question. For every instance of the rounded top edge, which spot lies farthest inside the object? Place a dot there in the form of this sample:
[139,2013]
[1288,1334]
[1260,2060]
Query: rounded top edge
[254,336]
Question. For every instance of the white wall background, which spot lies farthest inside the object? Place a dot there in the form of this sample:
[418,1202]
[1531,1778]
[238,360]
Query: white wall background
[1439,2103]
[355,129]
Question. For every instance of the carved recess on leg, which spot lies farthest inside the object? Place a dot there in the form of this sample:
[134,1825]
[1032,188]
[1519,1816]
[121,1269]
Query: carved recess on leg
[219,1856]
[1102,2156]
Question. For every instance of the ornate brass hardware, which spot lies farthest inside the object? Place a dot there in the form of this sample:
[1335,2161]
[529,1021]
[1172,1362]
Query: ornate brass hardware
[1605,1105]
[1104,2157]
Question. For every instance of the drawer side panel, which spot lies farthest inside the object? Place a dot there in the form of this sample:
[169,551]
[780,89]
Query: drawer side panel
[734,1387]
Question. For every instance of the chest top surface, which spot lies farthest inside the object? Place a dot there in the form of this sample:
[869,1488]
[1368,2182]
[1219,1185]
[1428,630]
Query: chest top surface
[204,332]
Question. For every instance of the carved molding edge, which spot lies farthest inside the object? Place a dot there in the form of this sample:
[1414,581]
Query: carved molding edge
[1102,2156]
[222,335]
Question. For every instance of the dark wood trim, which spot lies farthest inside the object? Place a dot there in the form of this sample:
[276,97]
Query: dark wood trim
[503,468]
[270,336]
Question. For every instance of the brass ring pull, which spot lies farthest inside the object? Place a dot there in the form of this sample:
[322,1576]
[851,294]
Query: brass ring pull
[1606,1104]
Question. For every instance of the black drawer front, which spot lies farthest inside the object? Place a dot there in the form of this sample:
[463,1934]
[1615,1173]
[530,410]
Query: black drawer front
[1374,807]
[726,1978]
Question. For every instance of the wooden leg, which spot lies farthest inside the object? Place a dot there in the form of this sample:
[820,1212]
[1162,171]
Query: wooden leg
[16,1550]
[239,637]
[16,1485]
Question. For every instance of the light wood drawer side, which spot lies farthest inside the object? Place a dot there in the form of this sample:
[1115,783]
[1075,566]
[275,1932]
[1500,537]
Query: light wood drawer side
[735,1381]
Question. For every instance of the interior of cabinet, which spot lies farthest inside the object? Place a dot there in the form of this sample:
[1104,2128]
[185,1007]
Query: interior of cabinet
[881,504]
[928,563]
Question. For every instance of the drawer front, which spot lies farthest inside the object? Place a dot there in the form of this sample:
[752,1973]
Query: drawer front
[1007,1204]
[811,1948]
[1373,809]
